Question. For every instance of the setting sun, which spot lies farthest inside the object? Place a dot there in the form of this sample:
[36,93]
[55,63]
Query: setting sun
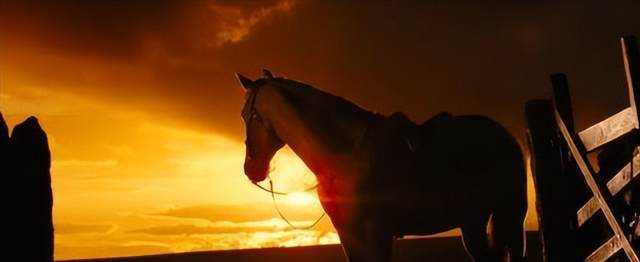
[301,198]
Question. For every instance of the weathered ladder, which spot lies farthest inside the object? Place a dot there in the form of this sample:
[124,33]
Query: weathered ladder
[595,137]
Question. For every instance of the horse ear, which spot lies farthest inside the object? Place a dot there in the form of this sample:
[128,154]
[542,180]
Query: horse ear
[267,73]
[244,81]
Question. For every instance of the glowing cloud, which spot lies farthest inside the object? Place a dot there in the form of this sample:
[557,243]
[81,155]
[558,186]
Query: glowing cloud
[234,25]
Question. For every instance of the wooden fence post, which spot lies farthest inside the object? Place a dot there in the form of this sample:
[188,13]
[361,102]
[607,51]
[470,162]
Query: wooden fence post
[27,197]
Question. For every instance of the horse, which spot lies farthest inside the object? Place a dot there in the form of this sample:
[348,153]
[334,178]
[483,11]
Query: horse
[383,177]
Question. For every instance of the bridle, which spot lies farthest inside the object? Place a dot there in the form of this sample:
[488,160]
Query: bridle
[248,115]
[275,203]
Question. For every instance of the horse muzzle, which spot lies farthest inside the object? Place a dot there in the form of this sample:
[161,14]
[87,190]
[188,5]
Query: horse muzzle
[256,172]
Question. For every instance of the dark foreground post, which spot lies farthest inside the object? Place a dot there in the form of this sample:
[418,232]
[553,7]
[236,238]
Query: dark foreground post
[26,194]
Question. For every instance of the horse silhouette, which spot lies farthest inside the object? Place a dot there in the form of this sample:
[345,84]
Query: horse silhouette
[381,177]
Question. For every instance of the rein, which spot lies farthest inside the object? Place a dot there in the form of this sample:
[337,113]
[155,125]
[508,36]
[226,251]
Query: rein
[275,203]
[281,193]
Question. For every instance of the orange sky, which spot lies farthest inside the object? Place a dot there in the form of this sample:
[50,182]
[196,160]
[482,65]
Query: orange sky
[142,108]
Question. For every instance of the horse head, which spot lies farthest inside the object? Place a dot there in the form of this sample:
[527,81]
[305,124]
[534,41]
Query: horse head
[261,142]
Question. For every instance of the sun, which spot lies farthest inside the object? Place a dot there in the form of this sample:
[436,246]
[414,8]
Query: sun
[300,199]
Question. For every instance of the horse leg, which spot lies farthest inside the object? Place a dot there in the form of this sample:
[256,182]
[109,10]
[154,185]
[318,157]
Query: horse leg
[508,232]
[475,239]
[367,243]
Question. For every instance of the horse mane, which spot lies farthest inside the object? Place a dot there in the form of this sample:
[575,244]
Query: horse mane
[317,108]
[295,91]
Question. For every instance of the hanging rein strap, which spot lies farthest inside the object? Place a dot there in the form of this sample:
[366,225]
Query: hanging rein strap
[281,193]
[273,197]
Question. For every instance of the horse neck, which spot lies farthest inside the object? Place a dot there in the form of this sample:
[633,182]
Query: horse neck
[325,131]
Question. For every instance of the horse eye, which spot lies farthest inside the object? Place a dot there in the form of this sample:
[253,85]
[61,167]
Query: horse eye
[256,117]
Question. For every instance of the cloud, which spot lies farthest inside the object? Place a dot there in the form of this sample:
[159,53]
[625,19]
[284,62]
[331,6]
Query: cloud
[69,252]
[85,163]
[162,57]
[255,215]
[41,101]
[122,150]
[224,227]
[69,228]
[234,25]
[229,235]
[135,236]
[124,29]
[109,28]
[244,213]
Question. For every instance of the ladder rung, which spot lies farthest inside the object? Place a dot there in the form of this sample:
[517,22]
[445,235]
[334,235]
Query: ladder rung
[623,177]
[617,183]
[587,172]
[609,129]
[605,251]
[588,210]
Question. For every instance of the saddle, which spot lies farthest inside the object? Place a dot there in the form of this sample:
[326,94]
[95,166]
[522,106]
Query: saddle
[425,137]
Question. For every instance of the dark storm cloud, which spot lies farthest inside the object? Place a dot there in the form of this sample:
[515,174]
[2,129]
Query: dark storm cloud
[424,57]
[107,28]
[421,57]
[159,56]
[119,27]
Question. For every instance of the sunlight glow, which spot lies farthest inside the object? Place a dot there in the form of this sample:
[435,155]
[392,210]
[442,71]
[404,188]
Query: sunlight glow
[289,173]
[300,198]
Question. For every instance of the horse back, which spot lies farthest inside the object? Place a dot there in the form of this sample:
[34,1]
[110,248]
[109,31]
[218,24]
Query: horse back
[449,155]
[475,148]
[465,140]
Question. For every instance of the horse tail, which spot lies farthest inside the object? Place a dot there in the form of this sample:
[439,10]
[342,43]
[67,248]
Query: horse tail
[507,221]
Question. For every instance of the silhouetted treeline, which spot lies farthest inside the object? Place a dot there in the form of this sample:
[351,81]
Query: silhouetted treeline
[26,195]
